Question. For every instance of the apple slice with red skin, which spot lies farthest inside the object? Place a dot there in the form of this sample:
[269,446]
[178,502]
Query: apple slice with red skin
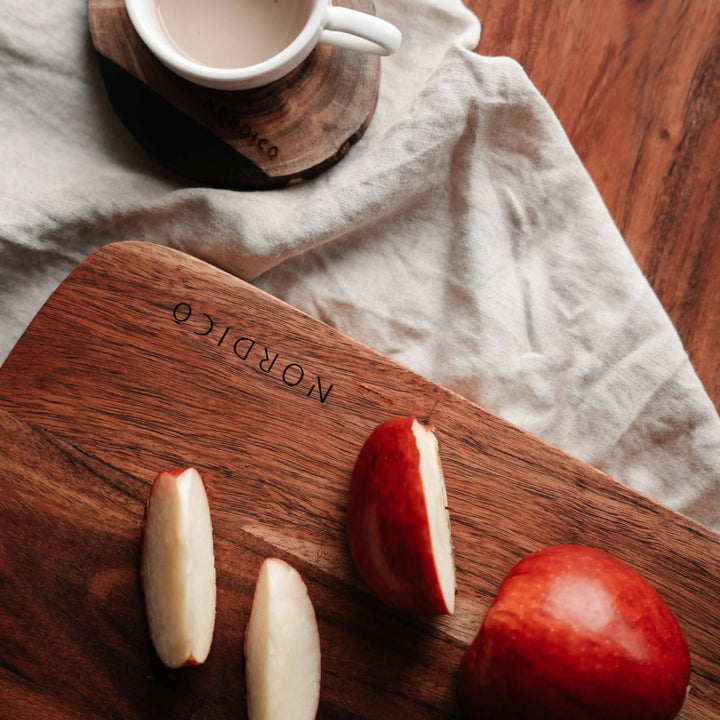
[398,525]
[282,647]
[575,634]
[178,568]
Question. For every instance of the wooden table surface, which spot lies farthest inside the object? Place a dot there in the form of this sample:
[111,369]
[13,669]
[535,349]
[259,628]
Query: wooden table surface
[636,85]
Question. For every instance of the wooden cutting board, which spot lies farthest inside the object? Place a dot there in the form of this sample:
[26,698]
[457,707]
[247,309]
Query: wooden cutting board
[146,359]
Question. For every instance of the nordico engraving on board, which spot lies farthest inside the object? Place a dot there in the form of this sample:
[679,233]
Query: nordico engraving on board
[252,352]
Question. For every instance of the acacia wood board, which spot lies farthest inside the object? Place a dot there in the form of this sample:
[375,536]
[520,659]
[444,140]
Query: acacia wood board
[146,359]
[284,132]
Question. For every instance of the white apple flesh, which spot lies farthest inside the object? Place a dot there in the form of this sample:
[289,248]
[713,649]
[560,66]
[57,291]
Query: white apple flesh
[398,525]
[282,647]
[178,568]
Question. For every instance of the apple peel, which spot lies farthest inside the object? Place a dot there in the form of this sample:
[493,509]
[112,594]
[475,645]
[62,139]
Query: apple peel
[178,568]
[398,525]
[575,634]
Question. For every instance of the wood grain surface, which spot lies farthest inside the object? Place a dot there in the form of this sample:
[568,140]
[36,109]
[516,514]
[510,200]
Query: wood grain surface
[147,359]
[636,85]
[293,128]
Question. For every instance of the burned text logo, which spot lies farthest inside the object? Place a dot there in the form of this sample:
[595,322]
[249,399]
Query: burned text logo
[240,129]
[252,352]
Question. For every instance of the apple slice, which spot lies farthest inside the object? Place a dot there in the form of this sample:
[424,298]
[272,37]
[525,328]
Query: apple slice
[398,525]
[178,568]
[282,647]
[575,634]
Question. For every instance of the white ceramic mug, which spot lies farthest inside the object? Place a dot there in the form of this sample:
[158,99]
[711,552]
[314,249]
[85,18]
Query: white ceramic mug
[325,23]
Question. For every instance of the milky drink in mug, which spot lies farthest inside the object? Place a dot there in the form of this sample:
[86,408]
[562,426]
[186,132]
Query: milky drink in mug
[243,44]
[231,33]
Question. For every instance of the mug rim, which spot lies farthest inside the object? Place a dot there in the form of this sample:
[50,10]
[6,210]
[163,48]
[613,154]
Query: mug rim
[141,12]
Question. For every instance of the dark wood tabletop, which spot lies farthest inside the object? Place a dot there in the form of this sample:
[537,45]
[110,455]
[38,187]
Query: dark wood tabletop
[636,85]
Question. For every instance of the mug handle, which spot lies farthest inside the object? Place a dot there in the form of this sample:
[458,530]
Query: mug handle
[356,30]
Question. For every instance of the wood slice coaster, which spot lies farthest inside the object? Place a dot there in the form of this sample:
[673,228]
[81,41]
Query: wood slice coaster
[287,131]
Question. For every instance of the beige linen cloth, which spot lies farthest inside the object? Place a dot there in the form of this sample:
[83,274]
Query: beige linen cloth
[461,237]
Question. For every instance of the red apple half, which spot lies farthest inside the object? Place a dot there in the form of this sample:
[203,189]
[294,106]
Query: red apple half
[398,524]
[575,634]
[178,568]
[282,647]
